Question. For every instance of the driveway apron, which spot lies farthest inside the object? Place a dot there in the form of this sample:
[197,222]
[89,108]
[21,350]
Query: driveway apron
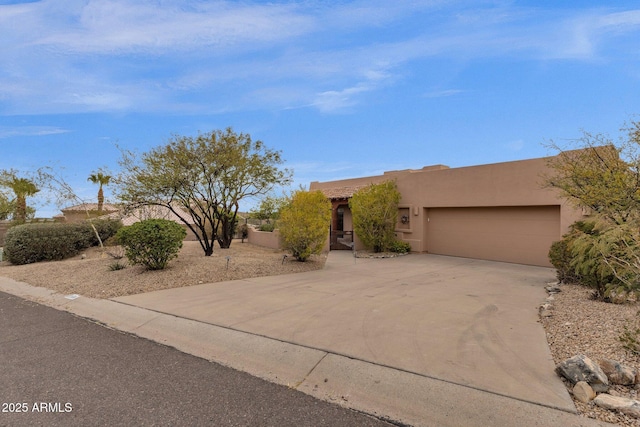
[464,321]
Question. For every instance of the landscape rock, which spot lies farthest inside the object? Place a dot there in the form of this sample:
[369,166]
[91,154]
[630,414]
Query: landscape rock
[625,405]
[618,373]
[583,392]
[581,368]
[553,289]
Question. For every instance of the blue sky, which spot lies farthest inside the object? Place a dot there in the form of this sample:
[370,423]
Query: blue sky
[342,88]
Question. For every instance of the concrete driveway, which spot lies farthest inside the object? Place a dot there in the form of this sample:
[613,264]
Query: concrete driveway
[467,322]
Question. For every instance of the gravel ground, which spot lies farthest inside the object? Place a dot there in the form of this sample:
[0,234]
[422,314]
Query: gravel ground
[581,325]
[90,273]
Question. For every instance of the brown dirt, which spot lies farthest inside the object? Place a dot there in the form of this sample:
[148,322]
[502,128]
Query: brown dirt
[90,273]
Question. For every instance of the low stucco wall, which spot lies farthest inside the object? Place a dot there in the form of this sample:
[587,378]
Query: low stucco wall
[267,239]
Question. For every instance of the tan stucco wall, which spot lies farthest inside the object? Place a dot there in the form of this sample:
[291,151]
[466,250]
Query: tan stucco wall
[267,239]
[517,183]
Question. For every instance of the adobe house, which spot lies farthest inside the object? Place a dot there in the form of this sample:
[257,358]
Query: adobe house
[496,212]
[81,212]
[78,213]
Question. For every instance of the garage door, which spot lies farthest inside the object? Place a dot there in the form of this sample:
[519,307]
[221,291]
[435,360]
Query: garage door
[521,234]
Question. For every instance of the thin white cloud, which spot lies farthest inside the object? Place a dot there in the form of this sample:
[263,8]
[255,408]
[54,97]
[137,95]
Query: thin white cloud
[443,93]
[123,26]
[125,55]
[9,132]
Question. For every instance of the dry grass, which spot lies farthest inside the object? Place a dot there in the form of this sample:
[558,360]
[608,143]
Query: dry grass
[90,274]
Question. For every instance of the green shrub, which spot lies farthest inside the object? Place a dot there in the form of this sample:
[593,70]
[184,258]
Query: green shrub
[29,243]
[565,257]
[560,257]
[304,223]
[106,228]
[152,243]
[117,265]
[630,336]
[267,227]
[375,211]
[587,261]
[600,255]
[400,247]
[619,248]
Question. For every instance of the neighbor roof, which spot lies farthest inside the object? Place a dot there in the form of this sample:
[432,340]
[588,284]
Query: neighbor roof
[148,212]
[90,207]
[341,192]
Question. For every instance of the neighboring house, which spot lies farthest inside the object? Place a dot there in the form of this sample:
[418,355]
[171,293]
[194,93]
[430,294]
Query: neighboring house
[78,213]
[495,212]
[153,212]
[83,211]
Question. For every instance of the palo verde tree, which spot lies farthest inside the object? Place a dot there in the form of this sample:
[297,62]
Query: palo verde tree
[375,212]
[304,223]
[269,208]
[101,179]
[603,177]
[600,175]
[202,180]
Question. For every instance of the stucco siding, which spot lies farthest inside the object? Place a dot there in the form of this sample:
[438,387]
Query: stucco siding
[504,187]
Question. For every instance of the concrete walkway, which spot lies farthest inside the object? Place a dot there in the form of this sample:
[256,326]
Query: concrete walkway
[421,339]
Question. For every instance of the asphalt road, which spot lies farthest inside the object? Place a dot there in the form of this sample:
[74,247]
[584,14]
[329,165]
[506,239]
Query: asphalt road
[60,370]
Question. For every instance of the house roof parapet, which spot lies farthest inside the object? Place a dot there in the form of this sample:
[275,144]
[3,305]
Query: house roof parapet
[91,207]
[341,192]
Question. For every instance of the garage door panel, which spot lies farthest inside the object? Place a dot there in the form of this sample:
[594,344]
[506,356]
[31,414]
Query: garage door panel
[511,234]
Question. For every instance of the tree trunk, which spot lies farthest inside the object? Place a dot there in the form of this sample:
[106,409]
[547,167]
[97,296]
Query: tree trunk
[21,209]
[227,230]
[100,199]
[225,242]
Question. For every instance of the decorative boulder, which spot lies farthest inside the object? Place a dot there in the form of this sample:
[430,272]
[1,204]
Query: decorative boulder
[618,373]
[583,392]
[581,368]
[625,405]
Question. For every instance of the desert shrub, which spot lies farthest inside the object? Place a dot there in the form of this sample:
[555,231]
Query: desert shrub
[601,255]
[244,231]
[375,211]
[152,243]
[619,247]
[29,243]
[117,265]
[267,227]
[304,223]
[565,260]
[587,261]
[106,228]
[400,247]
[630,336]
[560,257]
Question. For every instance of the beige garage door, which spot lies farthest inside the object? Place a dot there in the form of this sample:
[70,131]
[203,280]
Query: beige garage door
[521,234]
